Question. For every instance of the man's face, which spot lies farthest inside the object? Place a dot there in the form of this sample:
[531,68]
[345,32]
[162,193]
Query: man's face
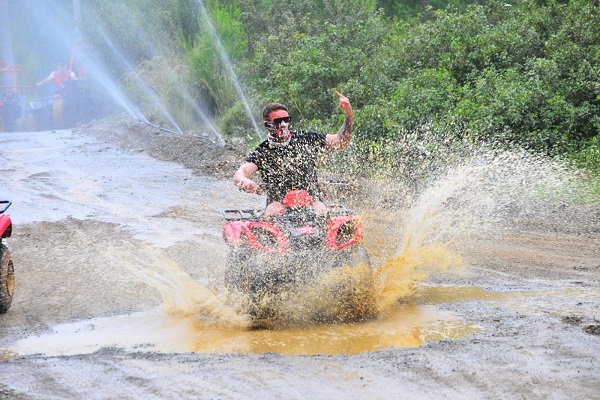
[278,126]
[277,117]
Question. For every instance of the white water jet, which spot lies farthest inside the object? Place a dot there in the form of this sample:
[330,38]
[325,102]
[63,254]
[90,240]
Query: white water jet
[147,89]
[181,89]
[227,64]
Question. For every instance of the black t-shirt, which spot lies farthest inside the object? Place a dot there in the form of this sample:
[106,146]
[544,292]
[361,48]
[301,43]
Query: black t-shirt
[290,167]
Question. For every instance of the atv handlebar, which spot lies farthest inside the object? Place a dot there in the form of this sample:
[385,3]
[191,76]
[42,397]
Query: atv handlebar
[2,202]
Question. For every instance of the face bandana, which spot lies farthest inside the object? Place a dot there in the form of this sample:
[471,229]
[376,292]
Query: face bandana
[279,135]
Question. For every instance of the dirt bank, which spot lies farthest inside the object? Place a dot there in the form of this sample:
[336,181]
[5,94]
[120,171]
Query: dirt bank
[97,209]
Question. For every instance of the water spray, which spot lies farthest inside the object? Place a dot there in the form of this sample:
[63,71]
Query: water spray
[227,64]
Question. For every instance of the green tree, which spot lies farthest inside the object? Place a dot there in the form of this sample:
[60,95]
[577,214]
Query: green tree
[304,59]
[221,39]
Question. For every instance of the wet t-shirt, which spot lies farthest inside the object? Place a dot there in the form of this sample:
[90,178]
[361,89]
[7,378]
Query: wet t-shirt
[290,167]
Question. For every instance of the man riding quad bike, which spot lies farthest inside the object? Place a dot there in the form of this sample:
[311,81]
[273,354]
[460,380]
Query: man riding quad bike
[297,240]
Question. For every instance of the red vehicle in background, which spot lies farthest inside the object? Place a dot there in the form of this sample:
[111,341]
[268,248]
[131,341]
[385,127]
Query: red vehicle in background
[7,272]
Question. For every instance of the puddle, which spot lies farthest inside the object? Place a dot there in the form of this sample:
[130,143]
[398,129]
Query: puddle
[6,354]
[556,302]
[405,325]
[449,294]
[193,319]
[414,321]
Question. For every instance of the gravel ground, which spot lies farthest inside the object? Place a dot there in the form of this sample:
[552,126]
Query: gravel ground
[98,210]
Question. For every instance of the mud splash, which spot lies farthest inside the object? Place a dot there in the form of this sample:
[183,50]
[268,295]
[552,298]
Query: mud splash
[480,196]
[414,321]
[193,318]
[399,276]
[468,200]
[181,294]
[404,325]
[345,295]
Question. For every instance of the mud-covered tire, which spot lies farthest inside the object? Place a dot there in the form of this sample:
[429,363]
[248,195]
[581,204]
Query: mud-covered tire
[358,302]
[246,286]
[361,257]
[260,285]
[7,279]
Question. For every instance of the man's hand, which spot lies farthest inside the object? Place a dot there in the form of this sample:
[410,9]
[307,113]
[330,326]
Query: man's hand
[241,178]
[342,139]
[344,104]
[248,185]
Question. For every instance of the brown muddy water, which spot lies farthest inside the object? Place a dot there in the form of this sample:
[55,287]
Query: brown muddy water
[411,323]
[157,331]
[405,325]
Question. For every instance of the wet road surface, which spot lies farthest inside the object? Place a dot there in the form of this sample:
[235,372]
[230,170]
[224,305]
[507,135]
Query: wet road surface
[119,261]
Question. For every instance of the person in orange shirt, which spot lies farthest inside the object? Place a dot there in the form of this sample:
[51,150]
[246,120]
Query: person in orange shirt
[58,76]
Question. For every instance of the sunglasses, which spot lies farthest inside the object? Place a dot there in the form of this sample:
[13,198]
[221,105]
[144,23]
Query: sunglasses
[278,121]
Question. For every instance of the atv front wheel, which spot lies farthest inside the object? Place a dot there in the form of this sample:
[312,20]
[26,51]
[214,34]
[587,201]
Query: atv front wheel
[354,257]
[7,279]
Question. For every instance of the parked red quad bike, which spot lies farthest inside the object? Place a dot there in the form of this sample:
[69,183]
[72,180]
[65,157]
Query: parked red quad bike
[273,256]
[7,272]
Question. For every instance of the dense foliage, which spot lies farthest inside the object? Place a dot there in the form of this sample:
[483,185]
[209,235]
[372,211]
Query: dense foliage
[523,73]
[423,76]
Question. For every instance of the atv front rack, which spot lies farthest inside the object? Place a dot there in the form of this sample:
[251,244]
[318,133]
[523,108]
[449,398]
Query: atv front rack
[334,210]
[241,215]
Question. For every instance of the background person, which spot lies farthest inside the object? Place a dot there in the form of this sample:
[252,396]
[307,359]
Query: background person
[58,76]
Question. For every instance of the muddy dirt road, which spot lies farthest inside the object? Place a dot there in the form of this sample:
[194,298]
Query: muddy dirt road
[119,266]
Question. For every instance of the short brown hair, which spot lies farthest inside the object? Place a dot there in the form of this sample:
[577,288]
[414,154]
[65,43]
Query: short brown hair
[269,108]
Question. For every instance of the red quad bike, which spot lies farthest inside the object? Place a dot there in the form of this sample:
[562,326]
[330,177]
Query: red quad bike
[7,272]
[270,255]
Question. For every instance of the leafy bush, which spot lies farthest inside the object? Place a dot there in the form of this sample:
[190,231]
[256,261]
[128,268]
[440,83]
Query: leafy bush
[219,43]
[521,74]
[303,65]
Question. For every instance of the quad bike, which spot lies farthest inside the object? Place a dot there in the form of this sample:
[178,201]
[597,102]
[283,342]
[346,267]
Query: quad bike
[273,256]
[78,101]
[7,272]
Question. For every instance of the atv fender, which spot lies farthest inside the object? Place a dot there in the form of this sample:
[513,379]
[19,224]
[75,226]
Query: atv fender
[233,231]
[333,228]
[5,226]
